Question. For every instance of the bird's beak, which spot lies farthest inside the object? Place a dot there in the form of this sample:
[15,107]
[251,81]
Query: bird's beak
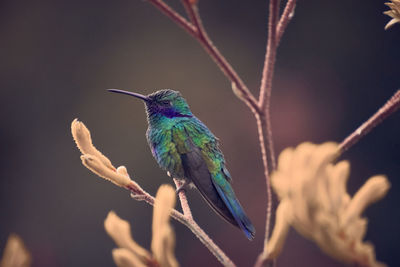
[143,97]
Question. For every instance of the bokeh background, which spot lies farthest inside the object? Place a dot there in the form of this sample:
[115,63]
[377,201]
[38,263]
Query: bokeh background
[336,66]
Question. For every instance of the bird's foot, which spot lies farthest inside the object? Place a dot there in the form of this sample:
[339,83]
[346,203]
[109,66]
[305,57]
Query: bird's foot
[182,187]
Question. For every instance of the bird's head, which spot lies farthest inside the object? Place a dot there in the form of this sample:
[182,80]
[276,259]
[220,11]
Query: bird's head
[167,103]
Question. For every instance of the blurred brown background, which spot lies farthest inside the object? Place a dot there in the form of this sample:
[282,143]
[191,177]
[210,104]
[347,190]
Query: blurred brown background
[336,66]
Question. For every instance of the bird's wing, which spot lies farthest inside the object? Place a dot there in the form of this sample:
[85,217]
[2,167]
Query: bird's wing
[203,164]
[196,170]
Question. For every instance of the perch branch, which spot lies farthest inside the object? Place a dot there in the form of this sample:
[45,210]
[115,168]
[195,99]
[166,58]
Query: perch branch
[184,202]
[99,164]
[186,219]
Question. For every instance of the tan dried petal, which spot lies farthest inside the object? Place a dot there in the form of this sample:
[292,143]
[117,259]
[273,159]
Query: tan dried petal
[394,13]
[281,229]
[318,205]
[163,242]
[83,140]
[373,190]
[285,159]
[357,229]
[125,258]
[120,231]
[15,253]
[329,239]
[95,165]
[337,181]
[391,23]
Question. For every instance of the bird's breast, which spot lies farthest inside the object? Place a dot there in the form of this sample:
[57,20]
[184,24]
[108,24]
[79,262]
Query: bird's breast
[164,150]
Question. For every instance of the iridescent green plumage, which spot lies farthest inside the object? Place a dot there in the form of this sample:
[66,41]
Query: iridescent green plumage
[185,147]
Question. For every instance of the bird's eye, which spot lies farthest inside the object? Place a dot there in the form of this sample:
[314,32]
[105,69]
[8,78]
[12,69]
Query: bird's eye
[166,103]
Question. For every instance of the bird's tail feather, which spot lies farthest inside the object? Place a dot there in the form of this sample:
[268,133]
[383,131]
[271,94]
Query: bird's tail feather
[236,210]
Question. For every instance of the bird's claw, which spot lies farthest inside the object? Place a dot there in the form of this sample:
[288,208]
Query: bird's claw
[182,187]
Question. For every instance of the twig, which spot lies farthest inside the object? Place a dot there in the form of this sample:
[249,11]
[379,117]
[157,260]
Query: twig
[270,55]
[196,30]
[386,110]
[173,15]
[141,195]
[286,17]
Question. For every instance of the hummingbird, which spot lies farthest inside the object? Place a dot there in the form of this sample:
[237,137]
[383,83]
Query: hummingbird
[184,146]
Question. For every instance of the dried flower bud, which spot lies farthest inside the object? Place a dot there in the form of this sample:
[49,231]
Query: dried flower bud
[394,13]
[163,242]
[95,161]
[120,232]
[314,201]
[95,165]
[15,253]
[83,140]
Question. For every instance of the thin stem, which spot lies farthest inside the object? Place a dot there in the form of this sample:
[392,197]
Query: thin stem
[270,55]
[187,4]
[141,195]
[219,59]
[264,119]
[286,17]
[263,136]
[392,105]
[197,30]
[173,15]
[266,89]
